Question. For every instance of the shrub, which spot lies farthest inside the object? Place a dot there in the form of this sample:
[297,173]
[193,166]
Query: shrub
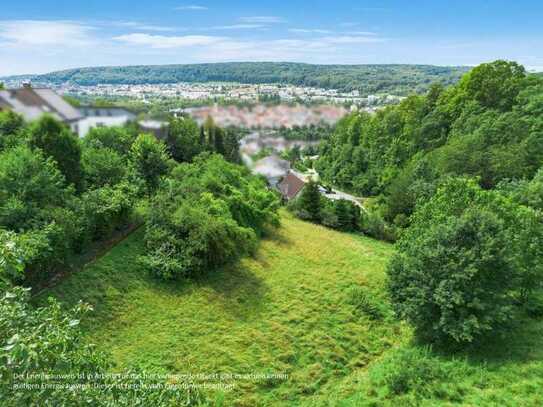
[373,224]
[367,302]
[410,375]
[107,208]
[206,215]
[200,235]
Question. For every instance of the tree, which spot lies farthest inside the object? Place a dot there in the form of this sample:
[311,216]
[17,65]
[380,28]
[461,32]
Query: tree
[58,142]
[494,85]
[102,166]
[11,126]
[183,139]
[231,146]
[309,202]
[150,159]
[119,139]
[462,263]
[29,182]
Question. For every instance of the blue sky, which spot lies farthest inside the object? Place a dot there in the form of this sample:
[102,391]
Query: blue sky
[39,36]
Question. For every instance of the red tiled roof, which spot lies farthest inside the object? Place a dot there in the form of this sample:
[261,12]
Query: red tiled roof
[290,186]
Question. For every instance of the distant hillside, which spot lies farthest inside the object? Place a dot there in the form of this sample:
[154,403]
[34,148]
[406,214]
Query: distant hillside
[368,79]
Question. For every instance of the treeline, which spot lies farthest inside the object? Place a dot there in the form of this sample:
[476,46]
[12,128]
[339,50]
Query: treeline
[340,214]
[368,79]
[488,126]
[455,175]
[311,132]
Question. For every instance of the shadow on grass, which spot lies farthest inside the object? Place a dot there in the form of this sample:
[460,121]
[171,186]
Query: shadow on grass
[114,283]
[521,342]
[277,235]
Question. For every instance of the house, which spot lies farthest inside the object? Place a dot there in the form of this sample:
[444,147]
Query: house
[102,117]
[290,186]
[31,103]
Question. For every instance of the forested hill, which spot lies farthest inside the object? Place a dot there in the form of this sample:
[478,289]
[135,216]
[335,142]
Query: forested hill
[368,79]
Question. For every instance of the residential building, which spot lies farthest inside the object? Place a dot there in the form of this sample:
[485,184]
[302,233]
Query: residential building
[31,103]
[290,186]
[102,117]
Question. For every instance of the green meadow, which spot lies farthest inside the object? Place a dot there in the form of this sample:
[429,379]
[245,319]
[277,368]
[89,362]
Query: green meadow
[305,321]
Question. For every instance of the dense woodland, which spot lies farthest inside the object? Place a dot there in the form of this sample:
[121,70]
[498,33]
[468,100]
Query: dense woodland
[368,79]
[455,175]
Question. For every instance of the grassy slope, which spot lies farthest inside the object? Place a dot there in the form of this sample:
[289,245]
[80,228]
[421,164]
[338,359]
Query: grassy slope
[288,311]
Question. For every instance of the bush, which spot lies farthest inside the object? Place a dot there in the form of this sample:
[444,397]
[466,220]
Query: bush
[107,208]
[200,235]
[206,215]
[367,302]
[373,224]
[410,375]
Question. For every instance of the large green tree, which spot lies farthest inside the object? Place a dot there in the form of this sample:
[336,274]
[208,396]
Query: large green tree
[465,258]
[58,142]
[150,159]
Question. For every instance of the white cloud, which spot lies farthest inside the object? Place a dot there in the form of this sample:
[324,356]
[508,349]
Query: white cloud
[192,7]
[161,41]
[141,26]
[262,19]
[238,27]
[309,31]
[30,33]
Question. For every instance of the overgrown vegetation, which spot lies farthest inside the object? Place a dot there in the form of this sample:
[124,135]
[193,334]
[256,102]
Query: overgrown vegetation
[59,195]
[206,214]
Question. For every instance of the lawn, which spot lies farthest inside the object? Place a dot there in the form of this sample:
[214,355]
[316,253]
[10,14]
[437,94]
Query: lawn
[310,305]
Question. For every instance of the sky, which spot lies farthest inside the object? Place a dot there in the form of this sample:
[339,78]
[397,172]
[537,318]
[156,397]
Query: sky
[38,36]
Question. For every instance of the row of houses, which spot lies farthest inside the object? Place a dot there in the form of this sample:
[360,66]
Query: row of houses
[31,103]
